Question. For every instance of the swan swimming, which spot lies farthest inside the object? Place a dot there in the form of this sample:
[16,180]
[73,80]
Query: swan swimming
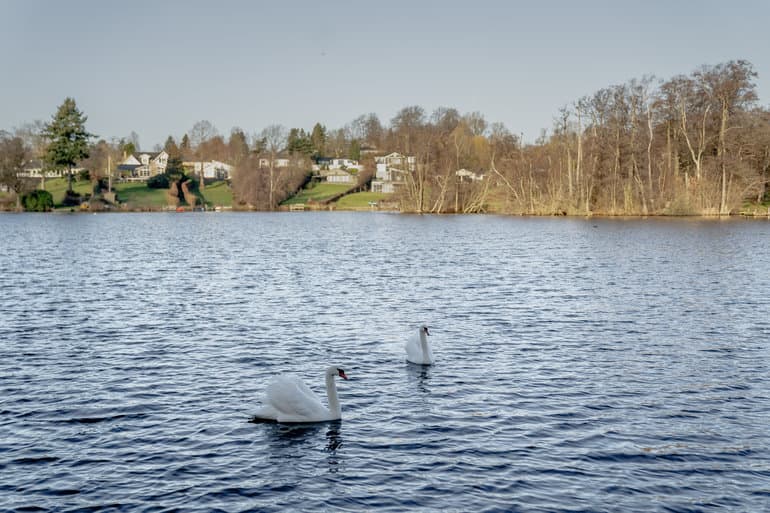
[417,348]
[288,399]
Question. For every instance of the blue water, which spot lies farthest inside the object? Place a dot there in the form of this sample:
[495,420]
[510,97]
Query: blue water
[582,365]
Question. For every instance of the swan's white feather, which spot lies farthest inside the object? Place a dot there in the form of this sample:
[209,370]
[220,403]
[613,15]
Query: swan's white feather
[288,399]
[414,351]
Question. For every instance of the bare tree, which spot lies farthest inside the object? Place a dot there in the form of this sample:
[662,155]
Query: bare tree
[13,157]
[729,87]
[201,132]
[275,137]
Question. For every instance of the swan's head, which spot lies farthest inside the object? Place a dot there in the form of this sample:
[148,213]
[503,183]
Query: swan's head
[425,329]
[333,370]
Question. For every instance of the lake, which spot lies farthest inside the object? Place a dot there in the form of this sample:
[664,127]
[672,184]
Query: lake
[581,364]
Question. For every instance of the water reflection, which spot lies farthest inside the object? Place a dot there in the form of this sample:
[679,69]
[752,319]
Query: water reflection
[333,442]
[420,374]
[294,440]
[333,438]
[291,434]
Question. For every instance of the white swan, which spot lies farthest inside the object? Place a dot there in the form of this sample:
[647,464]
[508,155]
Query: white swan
[417,348]
[288,399]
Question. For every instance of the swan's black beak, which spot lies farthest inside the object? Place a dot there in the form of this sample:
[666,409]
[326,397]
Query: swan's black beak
[342,373]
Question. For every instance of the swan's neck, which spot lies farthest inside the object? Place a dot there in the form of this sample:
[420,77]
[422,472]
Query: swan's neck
[331,394]
[424,343]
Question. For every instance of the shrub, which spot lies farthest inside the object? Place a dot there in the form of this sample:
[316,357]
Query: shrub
[102,184]
[71,199]
[37,201]
[158,182]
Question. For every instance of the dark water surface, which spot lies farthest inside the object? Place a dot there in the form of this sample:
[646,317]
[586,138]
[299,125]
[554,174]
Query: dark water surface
[582,365]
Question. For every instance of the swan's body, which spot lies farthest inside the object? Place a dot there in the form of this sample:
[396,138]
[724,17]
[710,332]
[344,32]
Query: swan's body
[418,350]
[288,399]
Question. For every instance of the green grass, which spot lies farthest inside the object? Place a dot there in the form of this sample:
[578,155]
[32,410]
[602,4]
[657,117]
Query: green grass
[138,195]
[218,194]
[58,186]
[318,192]
[361,199]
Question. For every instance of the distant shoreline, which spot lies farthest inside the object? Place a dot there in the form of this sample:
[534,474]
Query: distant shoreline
[743,215]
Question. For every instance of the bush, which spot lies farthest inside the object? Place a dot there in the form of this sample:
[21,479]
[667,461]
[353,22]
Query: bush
[158,182]
[71,199]
[37,201]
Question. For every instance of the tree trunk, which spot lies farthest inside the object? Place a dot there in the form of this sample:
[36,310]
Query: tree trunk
[723,210]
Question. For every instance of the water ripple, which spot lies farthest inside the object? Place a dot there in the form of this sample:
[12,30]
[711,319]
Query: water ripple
[595,365]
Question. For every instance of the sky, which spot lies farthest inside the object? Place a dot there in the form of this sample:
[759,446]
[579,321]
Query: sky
[157,67]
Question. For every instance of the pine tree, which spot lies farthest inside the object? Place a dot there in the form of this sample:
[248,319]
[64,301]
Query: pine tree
[185,146]
[318,140]
[68,138]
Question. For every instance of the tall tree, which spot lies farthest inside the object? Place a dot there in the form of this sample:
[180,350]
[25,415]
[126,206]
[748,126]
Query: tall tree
[201,132]
[34,139]
[318,140]
[13,157]
[100,157]
[729,88]
[171,147]
[237,146]
[68,138]
[185,147]
[174,166]
[274,137]
[299,143]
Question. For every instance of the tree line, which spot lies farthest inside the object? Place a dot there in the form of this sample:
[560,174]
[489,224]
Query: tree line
[692,144]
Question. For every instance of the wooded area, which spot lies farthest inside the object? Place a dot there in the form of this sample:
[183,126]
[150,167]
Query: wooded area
[696,144]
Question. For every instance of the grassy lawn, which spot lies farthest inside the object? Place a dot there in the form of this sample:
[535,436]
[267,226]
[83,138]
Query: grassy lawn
[138,195]
[317,192]
[218,194]
[361,199]
[58,186]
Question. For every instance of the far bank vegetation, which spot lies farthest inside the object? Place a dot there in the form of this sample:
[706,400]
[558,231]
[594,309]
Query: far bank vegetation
[695,144]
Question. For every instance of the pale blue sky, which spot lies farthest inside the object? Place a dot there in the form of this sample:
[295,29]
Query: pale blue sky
[158,67]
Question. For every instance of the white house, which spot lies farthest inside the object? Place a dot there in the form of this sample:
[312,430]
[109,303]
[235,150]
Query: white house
[277,162]
[390,171]
[143,164]
[213,169]
[34,169]
[338,176]
[335,163]
[465,175]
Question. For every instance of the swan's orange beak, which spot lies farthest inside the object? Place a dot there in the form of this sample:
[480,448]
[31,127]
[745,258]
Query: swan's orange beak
[342,374]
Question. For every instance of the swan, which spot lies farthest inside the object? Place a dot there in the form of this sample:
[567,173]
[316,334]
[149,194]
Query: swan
[288,399]
[417,348]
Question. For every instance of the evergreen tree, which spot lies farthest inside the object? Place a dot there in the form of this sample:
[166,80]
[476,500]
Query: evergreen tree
[68,138]
[355,150]
[185,146]
[299,142]
[171,147]
[127,147]
[237,146]
[318,140]
[174,167]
